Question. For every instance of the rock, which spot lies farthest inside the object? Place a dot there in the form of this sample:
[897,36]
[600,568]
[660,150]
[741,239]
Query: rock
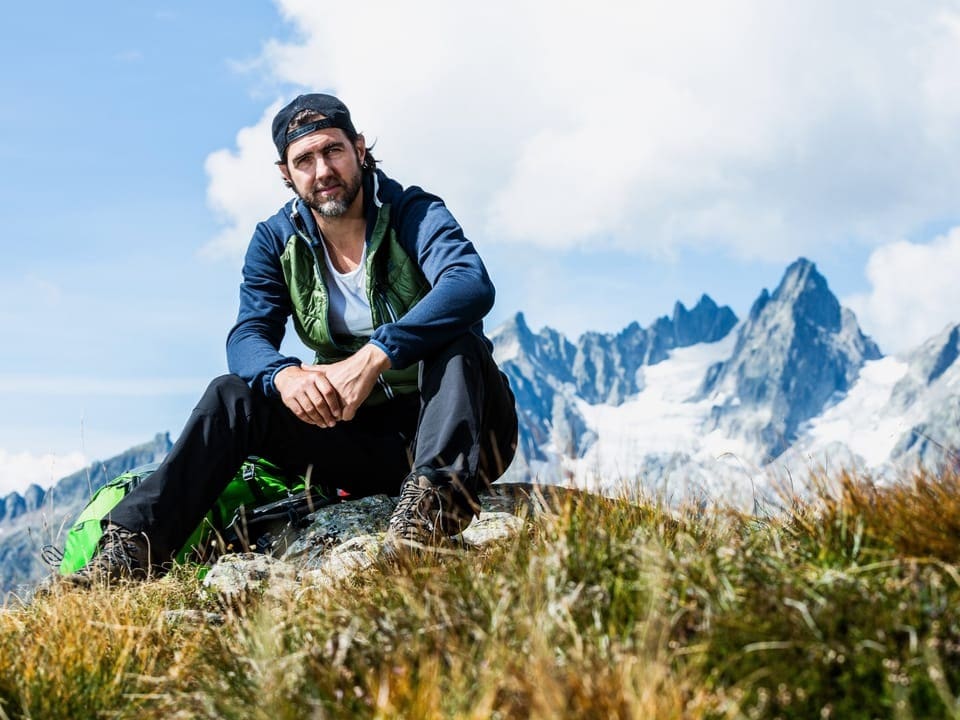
[192,617]
[491,528]
[346,539]
[343,561]
[239,577]
[335,524]
[797,352]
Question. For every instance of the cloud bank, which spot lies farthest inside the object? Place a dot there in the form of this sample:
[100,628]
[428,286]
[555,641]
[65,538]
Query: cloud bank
[769,129]
[18,470]
[914,292]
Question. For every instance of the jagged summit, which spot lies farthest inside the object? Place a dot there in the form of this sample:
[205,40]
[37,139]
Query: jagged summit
[937,355]
[934,360]
[604,367]
[551,375]
[805,291]
[706,322]
[929,393]
[797,350]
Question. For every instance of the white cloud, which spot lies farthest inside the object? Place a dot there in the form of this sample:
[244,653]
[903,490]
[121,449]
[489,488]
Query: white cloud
[19,470]
[772,129]
[245,187]
[914,292]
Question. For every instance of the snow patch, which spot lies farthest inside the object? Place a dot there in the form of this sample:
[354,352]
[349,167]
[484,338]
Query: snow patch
[662,421]
[863,420]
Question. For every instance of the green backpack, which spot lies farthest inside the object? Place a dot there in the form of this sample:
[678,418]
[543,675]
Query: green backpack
[232,520]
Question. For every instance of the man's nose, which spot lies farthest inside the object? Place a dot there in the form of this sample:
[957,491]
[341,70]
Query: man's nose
[322,169]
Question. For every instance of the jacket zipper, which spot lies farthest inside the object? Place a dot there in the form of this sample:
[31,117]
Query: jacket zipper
[384,385]
[325,317]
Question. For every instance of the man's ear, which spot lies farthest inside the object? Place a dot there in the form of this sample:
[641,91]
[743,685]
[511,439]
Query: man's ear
[361,145]
[285,172]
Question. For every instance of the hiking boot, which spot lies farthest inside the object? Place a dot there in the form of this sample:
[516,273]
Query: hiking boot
[427,511]
[121,555]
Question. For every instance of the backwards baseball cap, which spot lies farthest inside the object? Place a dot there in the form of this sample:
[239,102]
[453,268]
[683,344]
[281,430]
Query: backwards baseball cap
[335,115]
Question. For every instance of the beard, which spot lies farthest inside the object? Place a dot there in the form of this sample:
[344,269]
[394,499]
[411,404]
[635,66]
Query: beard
[335,206]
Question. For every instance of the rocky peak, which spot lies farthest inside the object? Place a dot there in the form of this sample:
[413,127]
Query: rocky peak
[926,365]
[946,355]
[797,350]
[705,323]
[34,497]
[805,291]
[513,338]
[12,506]
[550,375]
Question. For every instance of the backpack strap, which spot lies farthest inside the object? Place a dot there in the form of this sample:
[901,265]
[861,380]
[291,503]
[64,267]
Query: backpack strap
[250,478]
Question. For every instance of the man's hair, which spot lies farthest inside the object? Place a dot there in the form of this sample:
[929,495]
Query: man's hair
[307,116]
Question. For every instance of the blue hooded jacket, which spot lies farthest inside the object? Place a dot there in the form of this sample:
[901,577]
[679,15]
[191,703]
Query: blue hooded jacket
[460,293]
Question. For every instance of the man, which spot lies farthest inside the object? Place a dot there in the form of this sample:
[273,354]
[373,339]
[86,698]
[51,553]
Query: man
[403,395]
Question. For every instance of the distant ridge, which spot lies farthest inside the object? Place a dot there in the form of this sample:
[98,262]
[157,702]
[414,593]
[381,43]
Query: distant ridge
[37,517]
[550,374]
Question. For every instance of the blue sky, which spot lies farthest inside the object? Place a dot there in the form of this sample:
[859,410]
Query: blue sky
[607,163]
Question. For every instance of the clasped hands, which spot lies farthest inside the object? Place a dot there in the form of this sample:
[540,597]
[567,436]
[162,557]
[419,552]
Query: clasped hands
[324,395]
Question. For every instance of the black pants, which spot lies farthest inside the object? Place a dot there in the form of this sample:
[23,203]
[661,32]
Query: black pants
[463,424]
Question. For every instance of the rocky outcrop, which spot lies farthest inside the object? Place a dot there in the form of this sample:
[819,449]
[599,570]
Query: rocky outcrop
[345,539]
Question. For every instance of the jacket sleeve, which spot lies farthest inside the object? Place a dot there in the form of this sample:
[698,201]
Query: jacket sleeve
[460,294]
[253,344]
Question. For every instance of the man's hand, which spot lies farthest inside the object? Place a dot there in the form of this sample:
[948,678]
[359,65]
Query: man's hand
[308,394]
[325,394]
[355,377]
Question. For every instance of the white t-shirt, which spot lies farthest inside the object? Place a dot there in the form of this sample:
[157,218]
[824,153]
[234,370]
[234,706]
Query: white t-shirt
[349,310]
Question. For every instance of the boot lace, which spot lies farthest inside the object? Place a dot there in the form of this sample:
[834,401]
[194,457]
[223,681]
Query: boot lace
[123,554]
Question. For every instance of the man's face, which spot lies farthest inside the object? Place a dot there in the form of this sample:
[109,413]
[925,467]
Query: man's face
[324,169]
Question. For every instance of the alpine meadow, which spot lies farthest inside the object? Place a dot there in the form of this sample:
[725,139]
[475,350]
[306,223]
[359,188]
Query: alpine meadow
[812,573]
[843,605]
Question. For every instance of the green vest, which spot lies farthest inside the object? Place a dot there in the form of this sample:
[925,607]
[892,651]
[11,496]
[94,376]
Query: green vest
[394,285]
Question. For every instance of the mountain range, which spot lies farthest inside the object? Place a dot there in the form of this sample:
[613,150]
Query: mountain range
[705,405]
[701,405]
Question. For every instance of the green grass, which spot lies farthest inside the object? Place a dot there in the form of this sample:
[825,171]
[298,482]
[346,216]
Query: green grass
[844,606]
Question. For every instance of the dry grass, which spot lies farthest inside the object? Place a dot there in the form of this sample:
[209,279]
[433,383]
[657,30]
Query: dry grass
[843,607]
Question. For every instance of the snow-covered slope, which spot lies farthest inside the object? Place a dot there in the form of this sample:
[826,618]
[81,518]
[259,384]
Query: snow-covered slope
[903,412]
[658,436]
[861,422]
